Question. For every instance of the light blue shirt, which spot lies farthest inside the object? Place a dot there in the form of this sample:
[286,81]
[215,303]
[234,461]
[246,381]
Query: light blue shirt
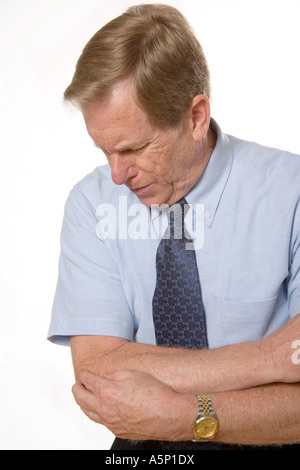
[248,261]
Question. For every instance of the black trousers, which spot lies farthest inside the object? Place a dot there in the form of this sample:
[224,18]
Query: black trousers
[124,444]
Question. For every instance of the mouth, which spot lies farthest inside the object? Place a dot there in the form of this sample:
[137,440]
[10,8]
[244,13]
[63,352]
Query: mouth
[141,191]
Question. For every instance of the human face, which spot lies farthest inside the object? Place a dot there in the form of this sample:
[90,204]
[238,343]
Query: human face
[159,165]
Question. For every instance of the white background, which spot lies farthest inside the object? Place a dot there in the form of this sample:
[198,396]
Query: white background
[252,47]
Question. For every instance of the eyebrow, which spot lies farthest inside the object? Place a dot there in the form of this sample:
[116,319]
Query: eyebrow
[124,148]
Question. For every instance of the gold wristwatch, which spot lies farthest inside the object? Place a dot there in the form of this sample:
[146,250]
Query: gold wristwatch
[206,424]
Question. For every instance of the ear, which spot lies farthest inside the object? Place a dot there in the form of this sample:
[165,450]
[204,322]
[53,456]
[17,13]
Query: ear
[200,116]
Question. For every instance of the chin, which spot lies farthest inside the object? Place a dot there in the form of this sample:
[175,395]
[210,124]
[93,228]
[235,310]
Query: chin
[155,200]
[147,200]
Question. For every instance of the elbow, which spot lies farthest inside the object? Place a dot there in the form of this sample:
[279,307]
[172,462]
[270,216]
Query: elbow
[98,354]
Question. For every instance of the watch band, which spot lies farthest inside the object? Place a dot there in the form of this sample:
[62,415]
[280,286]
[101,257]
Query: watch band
[205,405]
[206,424]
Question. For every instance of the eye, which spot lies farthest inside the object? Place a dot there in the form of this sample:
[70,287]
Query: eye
[130,151]
[142,148]
[127,152]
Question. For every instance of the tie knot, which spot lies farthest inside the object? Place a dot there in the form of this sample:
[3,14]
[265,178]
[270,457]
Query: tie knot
[182,202]
[177,213]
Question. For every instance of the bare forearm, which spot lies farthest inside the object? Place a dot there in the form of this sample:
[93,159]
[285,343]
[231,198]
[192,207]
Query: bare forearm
[228,368]
[186,371]
[265,415]
[232,367]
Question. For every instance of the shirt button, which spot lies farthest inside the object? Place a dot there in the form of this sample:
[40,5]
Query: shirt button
[207,214]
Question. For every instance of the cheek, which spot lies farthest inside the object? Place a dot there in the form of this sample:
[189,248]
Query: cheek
[156,162]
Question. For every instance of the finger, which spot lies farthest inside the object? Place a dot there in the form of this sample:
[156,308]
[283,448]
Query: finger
[91,381]
[83,397]
[92,416]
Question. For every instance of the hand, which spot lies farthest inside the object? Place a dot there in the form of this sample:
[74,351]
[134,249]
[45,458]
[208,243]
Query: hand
[280,351]
[135,405]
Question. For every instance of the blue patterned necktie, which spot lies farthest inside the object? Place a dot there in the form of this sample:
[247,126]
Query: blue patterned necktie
[178,313]
[177,302]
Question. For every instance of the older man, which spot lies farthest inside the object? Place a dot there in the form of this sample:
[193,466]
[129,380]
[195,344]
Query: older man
[182,339]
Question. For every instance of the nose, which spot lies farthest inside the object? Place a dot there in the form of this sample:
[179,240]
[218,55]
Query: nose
[121,168]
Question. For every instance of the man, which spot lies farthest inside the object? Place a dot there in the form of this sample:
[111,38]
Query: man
[142,84]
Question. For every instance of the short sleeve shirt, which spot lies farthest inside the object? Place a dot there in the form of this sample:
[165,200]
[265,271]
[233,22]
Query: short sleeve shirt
[247,206]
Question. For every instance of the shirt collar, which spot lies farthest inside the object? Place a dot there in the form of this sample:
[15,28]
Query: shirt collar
[209,188]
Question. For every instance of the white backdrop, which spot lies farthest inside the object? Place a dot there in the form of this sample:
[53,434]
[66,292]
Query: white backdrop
[252,47]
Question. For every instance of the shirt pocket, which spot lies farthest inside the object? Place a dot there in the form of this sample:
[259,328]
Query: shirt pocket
[246,321]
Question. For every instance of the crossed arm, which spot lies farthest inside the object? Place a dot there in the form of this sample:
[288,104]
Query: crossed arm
[147,392]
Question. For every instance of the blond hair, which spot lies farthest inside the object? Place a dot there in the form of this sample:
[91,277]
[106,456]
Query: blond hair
[155,46]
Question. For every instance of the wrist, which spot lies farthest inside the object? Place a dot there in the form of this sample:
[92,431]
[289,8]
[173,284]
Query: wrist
[186,407]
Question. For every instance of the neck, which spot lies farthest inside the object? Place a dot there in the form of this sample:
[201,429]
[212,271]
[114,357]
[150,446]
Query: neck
[203,154]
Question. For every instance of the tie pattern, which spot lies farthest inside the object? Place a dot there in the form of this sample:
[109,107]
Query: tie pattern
[177,302]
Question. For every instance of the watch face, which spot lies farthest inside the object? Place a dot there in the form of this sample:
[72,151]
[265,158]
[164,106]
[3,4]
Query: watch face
[206,427]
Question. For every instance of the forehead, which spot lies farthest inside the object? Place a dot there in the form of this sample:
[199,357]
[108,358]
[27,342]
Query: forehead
[118,119]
